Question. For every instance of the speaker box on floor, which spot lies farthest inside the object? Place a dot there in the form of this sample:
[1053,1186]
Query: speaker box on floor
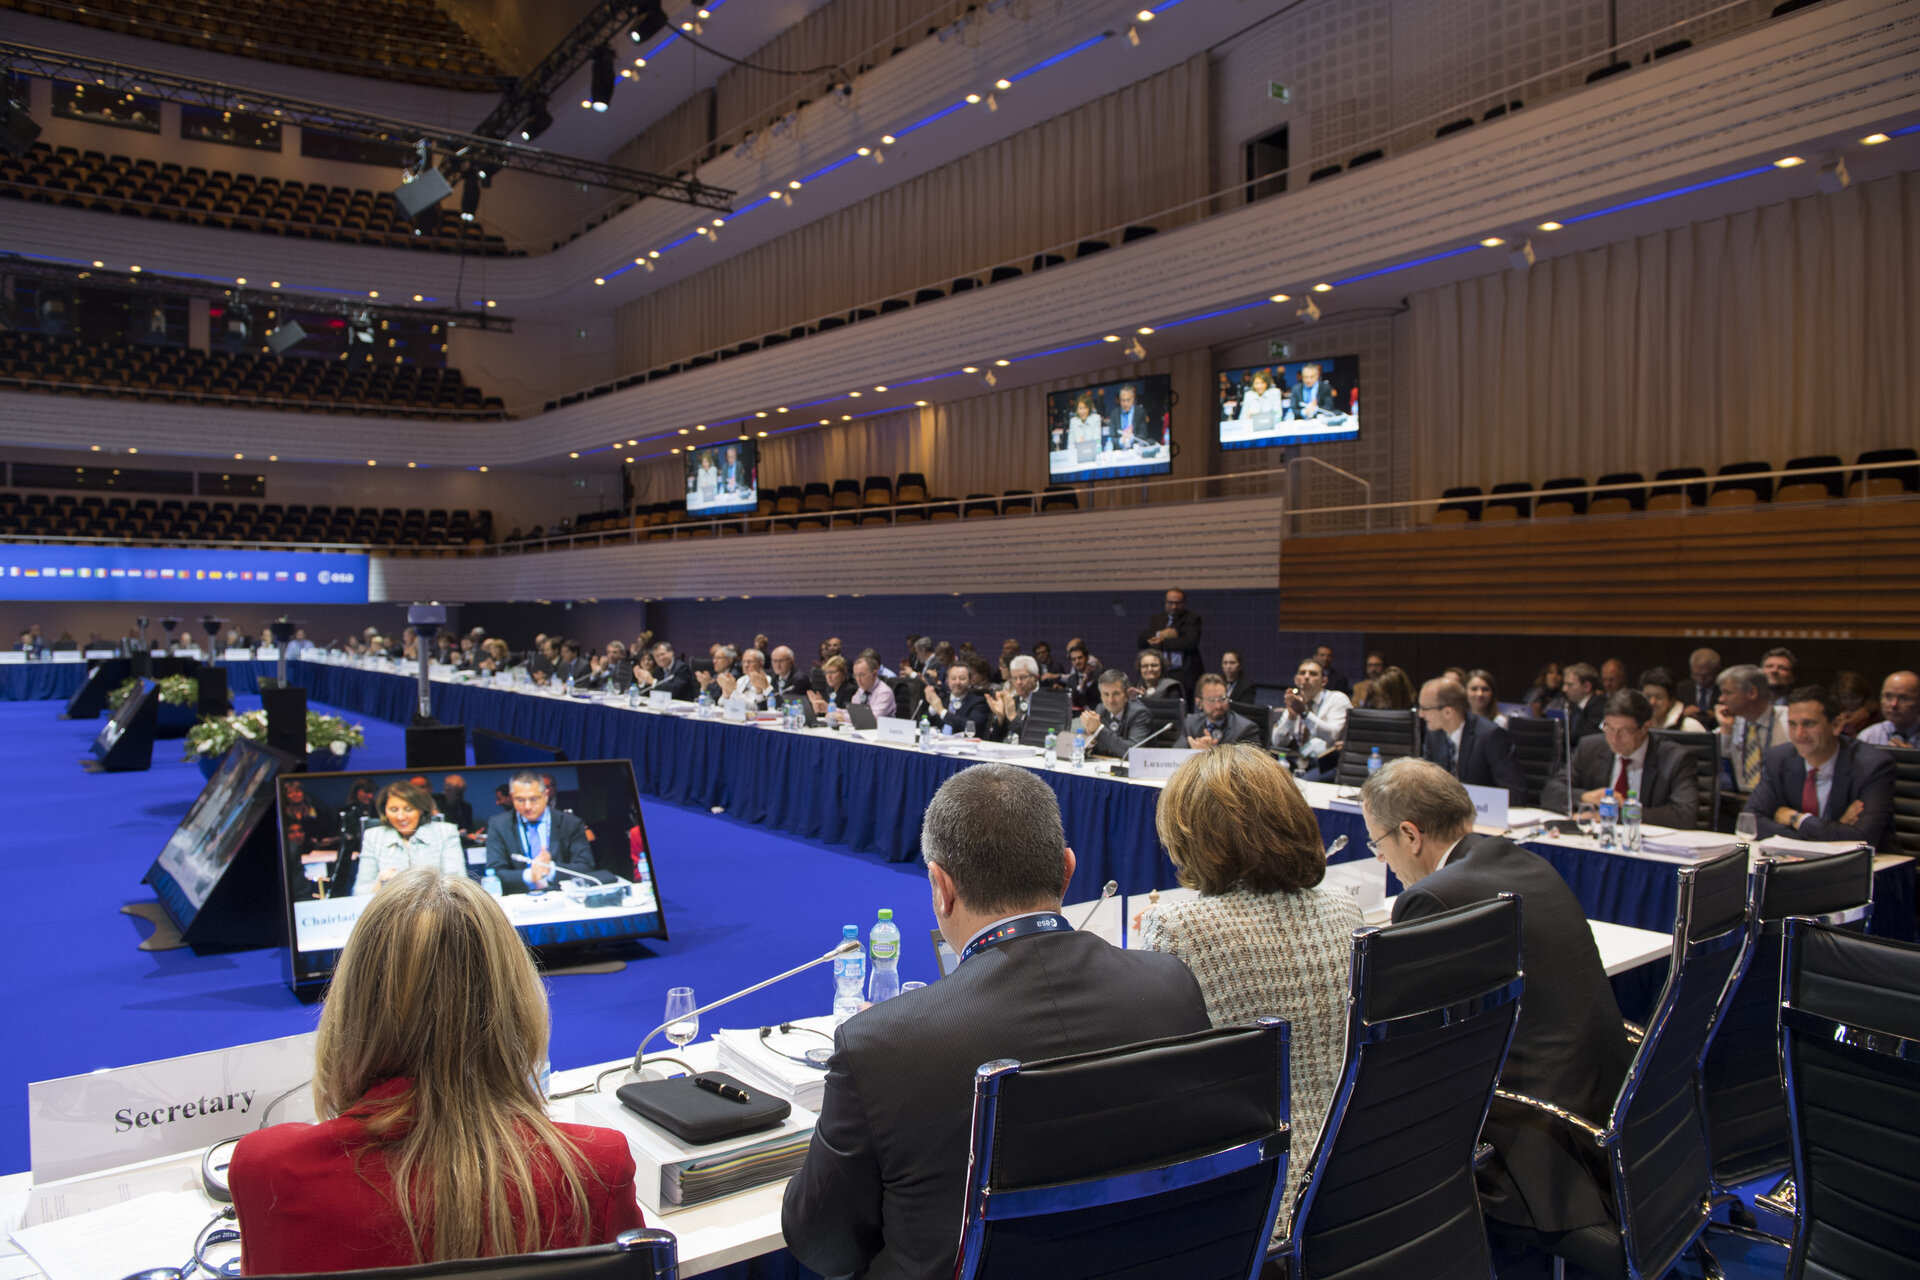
[213,692]
[90,699]
[125,744]
[440,746]
[287,721]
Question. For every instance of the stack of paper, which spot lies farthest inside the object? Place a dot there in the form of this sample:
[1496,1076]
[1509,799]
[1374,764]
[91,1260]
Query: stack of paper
[671,1175]
[693,1182]
[1686,844]
[746,1058]
[1808,848]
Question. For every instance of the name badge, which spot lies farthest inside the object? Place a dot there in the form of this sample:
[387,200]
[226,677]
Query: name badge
[78,1125]
[1489,806]
[1156,762]
[237,655]
[895,729]
[659,698]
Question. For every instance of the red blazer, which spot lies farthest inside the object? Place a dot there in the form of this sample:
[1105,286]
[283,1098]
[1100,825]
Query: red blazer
[306,1204]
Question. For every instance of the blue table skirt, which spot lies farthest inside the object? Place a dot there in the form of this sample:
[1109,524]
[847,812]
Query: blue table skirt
[871,798]
[41,681]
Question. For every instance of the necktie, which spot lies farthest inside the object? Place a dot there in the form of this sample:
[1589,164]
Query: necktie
[1750,757]
[1810,794]
[1453,758]
[1620,787]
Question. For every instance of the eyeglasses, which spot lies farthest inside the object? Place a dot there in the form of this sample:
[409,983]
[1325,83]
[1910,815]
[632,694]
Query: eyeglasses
[1373,845]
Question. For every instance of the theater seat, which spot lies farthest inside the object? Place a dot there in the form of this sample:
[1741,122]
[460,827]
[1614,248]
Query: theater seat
[1560,508]
[1677,497]
[1017,502]
[1885,482]
[980,506]
[1821,486]
[910,487]
[1731,490]
[1499,508]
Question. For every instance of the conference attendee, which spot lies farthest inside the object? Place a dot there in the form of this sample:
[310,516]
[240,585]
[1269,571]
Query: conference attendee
[1265,936]
[1820,786]
[320,823]
[752,685]
[1465,743]
[612,670]
[1544,694]
[433,1142]
[723,668]
[1779,664]
[492,657]
[1613,676]
[299,646]
[763,642]
[1083,428]
[1858,707]
[963,707]
[1314,721]
[361,810]
[1323,654]
[1660,689]
[547,837]
[31,645]
[1009,650]
[1083,673]
[1371,670]
[734,477]
[1750,724]
[1569,1047]
[1261,398]
[406,836]
[545,659]
[1239,683]
[1012,704]
[817,677]
[919,655]
[1117,724]
[1391,690]
[1483,697]
[884,1182]
[783,678]
[1150,678]
[869,689]
[1312,397]
[1625,757]
[672,674]
[1580,685]
[835,692]
[1456,674]
[1175,632]
[1899,723]
[1043,655]
[1701,689]
[1214,720]
[1129,421]
[454,806]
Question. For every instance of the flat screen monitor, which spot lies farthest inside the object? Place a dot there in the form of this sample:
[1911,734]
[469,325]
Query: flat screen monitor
[1300,402]
[1111,429]
[592,815]
[723,478]
[237,796]
[121,719]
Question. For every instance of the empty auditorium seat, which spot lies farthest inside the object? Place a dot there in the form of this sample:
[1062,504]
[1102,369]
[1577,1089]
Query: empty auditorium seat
[1675,496]
[1499,508]
[979,506]
[1458,512]
[1622,500]
[1732,491]
[1818,487]
[1885,482]
[1017,502]
[1572,504]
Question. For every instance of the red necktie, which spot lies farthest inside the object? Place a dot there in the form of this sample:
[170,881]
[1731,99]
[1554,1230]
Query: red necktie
[1620,787]
[1810,794]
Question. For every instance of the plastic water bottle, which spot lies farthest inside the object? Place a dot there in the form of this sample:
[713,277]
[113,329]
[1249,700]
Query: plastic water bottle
[1053,736]
[700,708]
[491,883]
[1079,746]
[1630,823]
[1609,819]
[569,686]
[633,695]
[884,945]
[849,976]
[1373,761]
[926,732]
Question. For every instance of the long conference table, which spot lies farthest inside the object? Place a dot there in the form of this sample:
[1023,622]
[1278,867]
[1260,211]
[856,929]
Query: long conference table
[844,788]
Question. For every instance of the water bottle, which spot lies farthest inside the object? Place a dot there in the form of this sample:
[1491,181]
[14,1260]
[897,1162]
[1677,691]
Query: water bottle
[1079,746]
[633,695]
[1609,819]
[849,976]
[884,945]
[1053,736]
[1373,761]
[569,686]
[1630,823]
[491,883]
[926,732]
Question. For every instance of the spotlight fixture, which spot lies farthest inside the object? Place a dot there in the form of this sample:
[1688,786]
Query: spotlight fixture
[538,122]
[973,98]
[17,128]
[1520,257]
[1003,83]
[993,103]
[1308,312]
[1135,350]
[1548,226]
[285,336]
[1788,162]
[1145,15]
[1492,242]
[1873,139]
[1111,337]
[1133,36]
[1280,297]
[469,198]
[1323,288]
[602,80]
[988,378]
[1145,329]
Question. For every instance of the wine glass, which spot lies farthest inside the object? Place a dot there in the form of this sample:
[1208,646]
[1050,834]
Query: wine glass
[682,1023]
[1747,827]
[1587,818]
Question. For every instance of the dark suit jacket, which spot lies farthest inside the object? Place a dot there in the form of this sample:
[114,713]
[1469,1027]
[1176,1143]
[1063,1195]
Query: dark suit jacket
[566,841]
[1338,682]
[791,685]
[1861,772]
[1569,1048]
[1186,643]
[1321,396]
[1118,734]
[1240,690]
[971,707]
[1689,694]
[1586,719]
[884,1183]
[678,681]
[458,812]
[1237,729]
[1669,794]
[1485,758]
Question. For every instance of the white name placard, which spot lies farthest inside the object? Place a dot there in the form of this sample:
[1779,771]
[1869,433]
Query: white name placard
[659,698]
[1489,806]
[895,729]
[1156,762]
[1364,878]
[236,655]
[266,653]
[734,709]
[11,656]
[78,1125]
[102,653]
[68,655]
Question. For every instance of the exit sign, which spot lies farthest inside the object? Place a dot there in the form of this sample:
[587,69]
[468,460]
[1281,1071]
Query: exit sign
[1279,92]
[1279,350]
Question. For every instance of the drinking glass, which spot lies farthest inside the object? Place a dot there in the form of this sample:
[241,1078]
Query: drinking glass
[682,1023]
[1587,818]
[1747,827]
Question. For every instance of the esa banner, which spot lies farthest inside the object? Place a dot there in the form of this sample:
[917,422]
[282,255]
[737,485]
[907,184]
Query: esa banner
[154,574]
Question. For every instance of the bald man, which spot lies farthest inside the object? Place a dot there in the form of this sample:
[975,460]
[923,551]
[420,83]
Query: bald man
[1899,723]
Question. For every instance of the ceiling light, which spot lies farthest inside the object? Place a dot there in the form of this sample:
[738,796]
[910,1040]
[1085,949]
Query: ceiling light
[1871,140]
[683,431]
[761,434]
[973,97]
[864,151]
[239,457]
[273,457]
[492,303]
[1145,15]
[1145,329]
[573,455]
[133,268]
[93,448]
[1112,337]
[920,403]
[237,279]
[632,442]
[1784,162]
[102,264]
[1003,363]
[1003,84]
[854,394]
[372,463]
[1323,288]
[969,369]
[373,293]
[699,426]
[760,413]
[794,183]
[483,468]
[1278,297]
[131,449]
[599,279]
[629,459]
[1549,226]
[419,298]
[773,195]
[846,417]
[886,139]
[273,284]
[412,465]
[1492,242]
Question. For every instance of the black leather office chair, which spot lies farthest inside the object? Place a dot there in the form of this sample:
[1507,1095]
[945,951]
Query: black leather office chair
[646,1254]
[1431,1006]
[1538,747]
[1906,798]
[1705,750]
[1166,711]
[1745,1100]
[1164,1158]
[1850,1042]
[1654,1143]
[1396,733]
[1046,709]
[1260,714]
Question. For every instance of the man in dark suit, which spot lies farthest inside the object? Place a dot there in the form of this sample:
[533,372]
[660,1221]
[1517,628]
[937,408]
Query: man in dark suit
[1470,747]
[1626,751]
[454,805]
[1569,1048]
[1820,786]
[1336,681]
[1312,396]
[672,674]
[1117,724]
[784,680]
[1216,721]
[544,835]
[1701,689]
[884,1183]
[962,705]
[1128,425]
[1176,633]
[1580,686]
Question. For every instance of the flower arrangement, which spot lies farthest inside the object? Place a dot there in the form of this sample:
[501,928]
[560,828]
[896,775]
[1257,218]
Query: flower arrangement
[125,691]
[215,736]
[180,691]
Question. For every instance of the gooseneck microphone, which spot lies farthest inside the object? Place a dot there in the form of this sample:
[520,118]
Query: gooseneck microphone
[1339,843]
[1106,891]
[846,948]
[1156,733]
[556,869]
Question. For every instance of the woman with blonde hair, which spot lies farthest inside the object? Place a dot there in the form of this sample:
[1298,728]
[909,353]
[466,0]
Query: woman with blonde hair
[1264,936]
[435,1142]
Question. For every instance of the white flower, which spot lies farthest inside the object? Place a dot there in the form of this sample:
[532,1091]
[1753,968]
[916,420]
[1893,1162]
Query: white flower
[244,729]
[206,744]
[338,746]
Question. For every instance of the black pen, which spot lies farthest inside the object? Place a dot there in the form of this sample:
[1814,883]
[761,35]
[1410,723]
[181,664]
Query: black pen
[725,1090]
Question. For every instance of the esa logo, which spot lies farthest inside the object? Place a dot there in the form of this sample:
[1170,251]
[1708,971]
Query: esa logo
[329,576]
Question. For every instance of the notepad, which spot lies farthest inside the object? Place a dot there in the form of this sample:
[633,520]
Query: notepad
[148,1231]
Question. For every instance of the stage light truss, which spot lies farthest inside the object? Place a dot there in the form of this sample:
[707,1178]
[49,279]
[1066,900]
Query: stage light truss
[610,24]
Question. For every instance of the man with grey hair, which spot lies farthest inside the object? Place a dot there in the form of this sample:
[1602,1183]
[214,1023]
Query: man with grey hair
[1701,689]
[786,679]
[884,1182]
[1569,1048]
[1750,723]
[1011,704]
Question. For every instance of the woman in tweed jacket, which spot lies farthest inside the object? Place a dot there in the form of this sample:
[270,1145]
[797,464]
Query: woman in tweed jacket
[1263,938]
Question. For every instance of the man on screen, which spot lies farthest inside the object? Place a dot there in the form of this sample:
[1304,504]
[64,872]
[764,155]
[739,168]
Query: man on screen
[1312,397]
[733,475]
[545,836]
[1128,424]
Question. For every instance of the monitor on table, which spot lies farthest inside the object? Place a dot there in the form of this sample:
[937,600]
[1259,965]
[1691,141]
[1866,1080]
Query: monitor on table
[1111,429]
[202,849]
[1298,402]
[723,478]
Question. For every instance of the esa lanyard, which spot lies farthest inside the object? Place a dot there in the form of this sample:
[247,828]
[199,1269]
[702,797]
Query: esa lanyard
[1045,922]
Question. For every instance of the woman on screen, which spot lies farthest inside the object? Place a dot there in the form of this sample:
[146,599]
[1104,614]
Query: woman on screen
[406,837]
[1083,428]
[1263,399]
[434,1142]
[707,482]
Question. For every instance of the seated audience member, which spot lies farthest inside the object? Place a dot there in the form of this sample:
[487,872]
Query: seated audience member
[1323,654]
[1082,677]
[763,642]
[434,1142]
[1239,683]
[1214,720]
[1625,757]
[869,689]
[1657,685]
[406,836]
[1613,676]
[1779,664]
[934,672]
[919,656]
[1466,744]
[884,1182]
[322,826]
[1043,654]
[672,674]
[1265,937]
[1118,723]
[723,661]
[611,669]
[1569,1047]
[880,668]
[1151,679]
[1821,786]
[1391,690]
[1580,686]
[1011,704]
[752,685]
[963,705]
[1483,697]
[539,832]
[783,677]
[1544,694]
[571,665]
[1701,689]
[1315,719]
[1858,707]
[837,684]
[545,660]
[726,660]
[1456,674]
[1375,666]
[454,806]
[299,646]
[1749,724]
[1899,723]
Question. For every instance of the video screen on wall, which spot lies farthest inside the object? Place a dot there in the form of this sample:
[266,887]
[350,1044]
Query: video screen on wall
[201,849]
[343,834]
[723,478]
[1299,402]
[1111,429]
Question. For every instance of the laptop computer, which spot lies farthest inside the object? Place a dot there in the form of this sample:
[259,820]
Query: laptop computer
[861,715]
[943,955]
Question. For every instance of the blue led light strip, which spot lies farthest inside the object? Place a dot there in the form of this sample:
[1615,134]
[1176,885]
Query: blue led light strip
[1415,262]
[1658,196]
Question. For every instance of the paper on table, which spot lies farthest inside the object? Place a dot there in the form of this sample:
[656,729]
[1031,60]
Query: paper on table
[1808,848]
[150,1231]
[1690,844]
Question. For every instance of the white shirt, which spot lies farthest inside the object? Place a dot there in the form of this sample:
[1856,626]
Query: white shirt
[1737,738]
[1677,718]
[1636,765]
[1324,724]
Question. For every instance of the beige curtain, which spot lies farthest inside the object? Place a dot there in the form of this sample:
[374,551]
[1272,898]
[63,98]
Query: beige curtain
[677,142]
[1772,334]
[1120,158]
